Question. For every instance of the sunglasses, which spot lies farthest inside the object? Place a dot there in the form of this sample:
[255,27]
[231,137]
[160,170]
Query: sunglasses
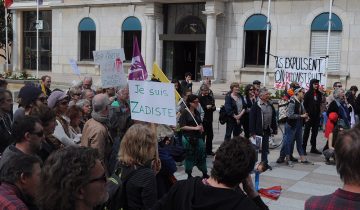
[339,86]
[103,178]
[196,101]
[39,134]
[251,89]
[64,102]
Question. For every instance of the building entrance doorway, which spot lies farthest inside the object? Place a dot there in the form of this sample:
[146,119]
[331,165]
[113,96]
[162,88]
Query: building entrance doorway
[188,57]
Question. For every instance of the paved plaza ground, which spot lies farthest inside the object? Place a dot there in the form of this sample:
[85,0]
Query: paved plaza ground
[298,183]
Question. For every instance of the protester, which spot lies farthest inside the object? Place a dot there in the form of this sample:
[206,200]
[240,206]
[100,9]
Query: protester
[96,133]
[20,179]
[187,83]
[191,125]
[235,108]
[120,113]
[139,166]
[75,94]
[87,83]
[339,106]
[249,100]
[347,153]
[257,85]
[75,114]
[28,134]
[233,162]
[208,105]
[177,86]
[331,98]
[332,140]
[47,117]
[88,94]
[6,104]
[45,84]
[330,125]
[85,105]
[294,124]
[312,103]
[72,178]
[351,100]
[3,83]
[29,96]
[59,101]
[283,108]
[165,178]
[263,123]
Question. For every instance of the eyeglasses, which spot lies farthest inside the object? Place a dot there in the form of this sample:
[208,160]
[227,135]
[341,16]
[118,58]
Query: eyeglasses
[77,94]
[195,102]
[39,134]
[102,178]
[339,86]
[251,89]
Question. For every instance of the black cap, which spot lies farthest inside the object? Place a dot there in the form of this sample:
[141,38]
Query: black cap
[256,82]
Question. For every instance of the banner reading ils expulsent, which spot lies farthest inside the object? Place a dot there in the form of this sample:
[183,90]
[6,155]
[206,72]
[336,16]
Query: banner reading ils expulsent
[300,70]
[152,102]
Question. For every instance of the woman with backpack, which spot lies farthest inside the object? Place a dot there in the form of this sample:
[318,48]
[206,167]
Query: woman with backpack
[235,109]
[139,162]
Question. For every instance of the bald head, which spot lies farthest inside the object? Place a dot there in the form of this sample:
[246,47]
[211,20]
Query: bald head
[100,103]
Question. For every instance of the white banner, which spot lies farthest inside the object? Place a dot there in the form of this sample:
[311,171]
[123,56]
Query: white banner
[111,67]
[152,102]
[300,70]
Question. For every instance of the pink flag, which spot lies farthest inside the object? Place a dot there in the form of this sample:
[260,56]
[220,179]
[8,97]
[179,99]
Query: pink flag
[138,68]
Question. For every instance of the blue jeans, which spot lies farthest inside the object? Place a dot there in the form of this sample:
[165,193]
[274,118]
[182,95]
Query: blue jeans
[294,133]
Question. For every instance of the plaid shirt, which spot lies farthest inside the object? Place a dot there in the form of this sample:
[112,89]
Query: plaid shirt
[339,200]
[9,198]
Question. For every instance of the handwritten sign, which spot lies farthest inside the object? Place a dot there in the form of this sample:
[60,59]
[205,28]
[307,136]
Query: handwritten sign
[300,70]
[74,67]
[152,102]
[111,67]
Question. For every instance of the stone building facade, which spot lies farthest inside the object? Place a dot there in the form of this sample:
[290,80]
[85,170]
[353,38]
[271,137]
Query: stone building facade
[183,35]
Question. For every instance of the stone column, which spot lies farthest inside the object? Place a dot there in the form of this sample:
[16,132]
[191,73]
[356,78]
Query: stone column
[212,9]
[210,38]
[150,36]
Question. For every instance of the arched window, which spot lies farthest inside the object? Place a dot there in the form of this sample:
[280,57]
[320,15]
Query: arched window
[255,40]
[319,34]
[87,31]
[131,27]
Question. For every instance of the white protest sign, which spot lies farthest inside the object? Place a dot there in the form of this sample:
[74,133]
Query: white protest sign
[152,102]
[300,70]
[111,67]
[74,67]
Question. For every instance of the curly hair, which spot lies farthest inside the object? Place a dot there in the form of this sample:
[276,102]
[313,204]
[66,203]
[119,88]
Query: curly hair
[65,172]
[234,160]
[44,113]
[138,146]
[247,89]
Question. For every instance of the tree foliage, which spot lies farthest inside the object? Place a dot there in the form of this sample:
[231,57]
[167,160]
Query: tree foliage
[3,28]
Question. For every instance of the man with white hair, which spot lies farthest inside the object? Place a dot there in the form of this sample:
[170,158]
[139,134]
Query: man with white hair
[96,132]
[263,122]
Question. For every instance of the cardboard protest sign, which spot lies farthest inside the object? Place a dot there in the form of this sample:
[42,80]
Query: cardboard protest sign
[300,70]
[111,67]
[207,72]
[152,102]
[74,67]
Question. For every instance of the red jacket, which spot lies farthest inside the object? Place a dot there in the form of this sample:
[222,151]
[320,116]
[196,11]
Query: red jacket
[330,124]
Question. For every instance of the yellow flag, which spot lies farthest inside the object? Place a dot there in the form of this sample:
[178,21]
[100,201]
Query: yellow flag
[159,75]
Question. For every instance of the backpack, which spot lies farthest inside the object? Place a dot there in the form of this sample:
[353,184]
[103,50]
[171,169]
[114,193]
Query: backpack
[116,187]
[222,115]
[283,110]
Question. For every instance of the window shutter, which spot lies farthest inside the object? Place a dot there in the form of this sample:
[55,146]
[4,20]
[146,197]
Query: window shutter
[318,47]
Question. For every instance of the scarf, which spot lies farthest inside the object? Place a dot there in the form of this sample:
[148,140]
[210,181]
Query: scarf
[100,118]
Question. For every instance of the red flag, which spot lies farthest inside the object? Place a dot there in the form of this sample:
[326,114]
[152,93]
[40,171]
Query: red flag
[8,3]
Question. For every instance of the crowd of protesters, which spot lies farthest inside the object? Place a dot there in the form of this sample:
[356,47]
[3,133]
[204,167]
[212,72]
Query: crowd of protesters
[61,150]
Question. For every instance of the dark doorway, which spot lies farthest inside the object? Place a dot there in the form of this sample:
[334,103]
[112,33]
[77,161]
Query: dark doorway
[188,57]
[255,43]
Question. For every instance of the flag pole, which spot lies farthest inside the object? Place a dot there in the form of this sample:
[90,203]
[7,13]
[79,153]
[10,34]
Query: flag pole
[37,38]
[328,41]
[267,41]
[6,40]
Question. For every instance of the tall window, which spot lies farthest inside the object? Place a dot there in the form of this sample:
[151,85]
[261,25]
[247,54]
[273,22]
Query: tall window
[319,34]
[87,31]
[255,40]
[29,36]
[131,27]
